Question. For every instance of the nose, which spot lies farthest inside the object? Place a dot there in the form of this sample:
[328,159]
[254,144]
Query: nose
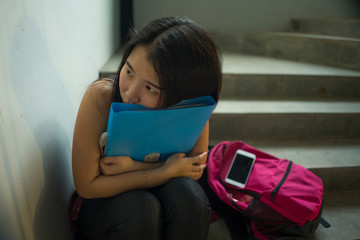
[133,94]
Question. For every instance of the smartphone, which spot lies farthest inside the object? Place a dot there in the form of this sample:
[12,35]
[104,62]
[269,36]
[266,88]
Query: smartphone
[240,168]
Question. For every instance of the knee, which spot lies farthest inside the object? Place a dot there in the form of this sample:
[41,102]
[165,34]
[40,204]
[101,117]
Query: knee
[143,203]
[141,218]
[188,193]
[131,215]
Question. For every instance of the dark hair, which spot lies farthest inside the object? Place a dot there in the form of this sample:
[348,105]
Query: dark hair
[184,57]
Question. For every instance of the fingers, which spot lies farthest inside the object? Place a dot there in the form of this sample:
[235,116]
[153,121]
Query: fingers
[110,165]
[106,160]
[181,166]
[199,159]
[198,168]
[114,160]
[198,165]
[105,168]
[197,171]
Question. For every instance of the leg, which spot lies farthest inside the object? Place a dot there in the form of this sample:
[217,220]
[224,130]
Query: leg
[131,215]
[185,208]
[233,219]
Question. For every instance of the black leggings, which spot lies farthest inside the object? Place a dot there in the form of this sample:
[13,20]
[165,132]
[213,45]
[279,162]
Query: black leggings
[234,220]
[178,209]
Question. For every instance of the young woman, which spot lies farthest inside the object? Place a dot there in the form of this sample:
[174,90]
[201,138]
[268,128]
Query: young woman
[170,60]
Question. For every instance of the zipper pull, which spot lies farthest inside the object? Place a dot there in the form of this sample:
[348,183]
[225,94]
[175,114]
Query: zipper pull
[273,194]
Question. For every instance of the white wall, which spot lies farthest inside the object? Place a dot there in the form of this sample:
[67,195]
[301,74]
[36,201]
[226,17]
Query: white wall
[271,15]
[50,51]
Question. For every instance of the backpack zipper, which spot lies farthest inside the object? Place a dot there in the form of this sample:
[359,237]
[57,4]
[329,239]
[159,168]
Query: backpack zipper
[274,192]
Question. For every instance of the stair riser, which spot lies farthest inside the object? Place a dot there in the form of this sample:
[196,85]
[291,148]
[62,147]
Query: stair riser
[239,86]
[333,27]
[332,52]
[283,126]
[339,179]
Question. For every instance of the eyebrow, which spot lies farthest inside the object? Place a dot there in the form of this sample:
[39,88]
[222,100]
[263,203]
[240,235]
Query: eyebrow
[148,82]
[130,66]
[152,84]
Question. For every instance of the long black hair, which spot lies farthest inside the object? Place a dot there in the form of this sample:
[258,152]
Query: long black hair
[184,57]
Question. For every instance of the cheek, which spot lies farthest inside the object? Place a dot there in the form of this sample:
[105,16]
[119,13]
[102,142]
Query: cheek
[122,82]
[152,102]
[121,86]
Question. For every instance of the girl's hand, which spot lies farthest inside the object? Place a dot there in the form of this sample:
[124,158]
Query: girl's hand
[116,165]
[178,165]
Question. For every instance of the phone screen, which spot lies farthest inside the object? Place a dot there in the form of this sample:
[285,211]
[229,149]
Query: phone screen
[240,168]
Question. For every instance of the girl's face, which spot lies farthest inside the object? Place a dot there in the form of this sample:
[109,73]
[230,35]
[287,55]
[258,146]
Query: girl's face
[139,83]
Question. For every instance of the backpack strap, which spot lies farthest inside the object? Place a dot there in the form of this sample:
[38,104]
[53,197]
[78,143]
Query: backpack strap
[325,223]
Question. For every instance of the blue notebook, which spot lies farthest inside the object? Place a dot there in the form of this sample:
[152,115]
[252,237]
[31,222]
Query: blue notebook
[154,134]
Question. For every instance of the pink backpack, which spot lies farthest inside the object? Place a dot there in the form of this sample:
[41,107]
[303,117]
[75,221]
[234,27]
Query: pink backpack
[283,200]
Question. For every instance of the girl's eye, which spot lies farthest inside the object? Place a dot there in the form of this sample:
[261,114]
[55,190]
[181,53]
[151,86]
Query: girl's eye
[129,73]
[150,89]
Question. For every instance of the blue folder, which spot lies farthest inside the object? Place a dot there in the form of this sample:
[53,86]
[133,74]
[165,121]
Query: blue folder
[154,134]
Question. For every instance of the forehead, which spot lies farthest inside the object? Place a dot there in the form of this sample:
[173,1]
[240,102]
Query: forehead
[138,59]
[139,51]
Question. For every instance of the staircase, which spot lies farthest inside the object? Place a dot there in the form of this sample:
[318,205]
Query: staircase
[296,95]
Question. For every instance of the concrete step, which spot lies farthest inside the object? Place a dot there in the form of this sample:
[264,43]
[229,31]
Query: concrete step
[287,120]
[254,77]
[321,136]
[326,50]
[333,27]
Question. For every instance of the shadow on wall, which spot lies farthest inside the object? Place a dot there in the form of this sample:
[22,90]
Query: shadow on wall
[47,110]
[51,218]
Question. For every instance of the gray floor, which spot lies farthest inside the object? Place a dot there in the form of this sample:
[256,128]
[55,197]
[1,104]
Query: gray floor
[341,210]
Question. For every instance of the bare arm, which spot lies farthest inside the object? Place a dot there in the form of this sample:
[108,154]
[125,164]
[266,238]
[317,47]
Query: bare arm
[122,164]
[202,143]
[201,146]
